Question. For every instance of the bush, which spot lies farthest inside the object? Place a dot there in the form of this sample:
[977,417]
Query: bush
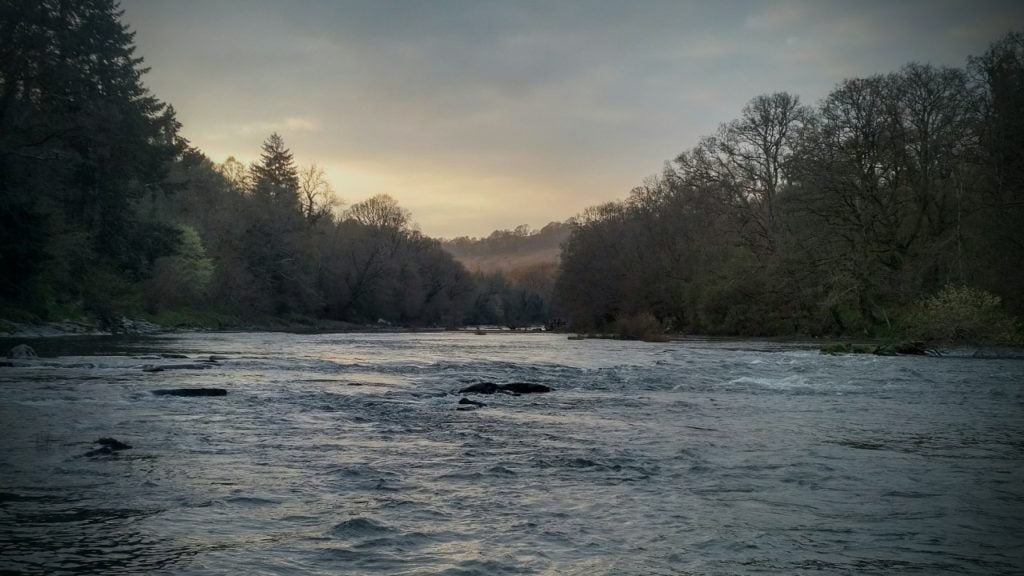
[962,314]
[640,326]
[181,279]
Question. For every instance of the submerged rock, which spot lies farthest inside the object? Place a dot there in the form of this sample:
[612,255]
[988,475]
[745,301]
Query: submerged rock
[191,392]
[176,367]
[468,402]
[22,352]
[169,355]
[893,349]
[525,388]
[108,446]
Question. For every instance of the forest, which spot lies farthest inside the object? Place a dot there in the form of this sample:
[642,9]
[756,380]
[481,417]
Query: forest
[893,206]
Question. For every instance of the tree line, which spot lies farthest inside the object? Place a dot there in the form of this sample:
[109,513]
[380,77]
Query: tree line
[894,204]
[843,217]
[106,210]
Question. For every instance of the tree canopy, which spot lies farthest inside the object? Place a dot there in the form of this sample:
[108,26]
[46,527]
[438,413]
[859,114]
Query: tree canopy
[897,199]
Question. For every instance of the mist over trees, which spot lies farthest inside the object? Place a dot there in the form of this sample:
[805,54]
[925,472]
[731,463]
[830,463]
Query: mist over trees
[894,205]
[515,272]
[837,218]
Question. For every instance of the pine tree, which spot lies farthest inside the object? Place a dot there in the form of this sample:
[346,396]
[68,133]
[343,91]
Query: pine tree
[276,177]
[81,140]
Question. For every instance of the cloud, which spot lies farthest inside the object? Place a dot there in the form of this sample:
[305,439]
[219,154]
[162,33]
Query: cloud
[482,113]
[776,16]
[290,125]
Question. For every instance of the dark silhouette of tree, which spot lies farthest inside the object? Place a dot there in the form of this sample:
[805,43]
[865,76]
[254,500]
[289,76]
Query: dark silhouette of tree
[81,141]
[380,211]
[316,197]
[275,176]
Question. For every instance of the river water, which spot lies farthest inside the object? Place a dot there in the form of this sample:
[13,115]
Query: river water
[345,454]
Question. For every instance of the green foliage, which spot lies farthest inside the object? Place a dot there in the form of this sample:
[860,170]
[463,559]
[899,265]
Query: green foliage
[182,279]
[963,314]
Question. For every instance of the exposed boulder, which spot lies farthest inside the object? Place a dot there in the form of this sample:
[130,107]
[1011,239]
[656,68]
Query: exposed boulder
[22,352]
[480,388]
[191,392]
[468,402]
[514,388]
[525,388]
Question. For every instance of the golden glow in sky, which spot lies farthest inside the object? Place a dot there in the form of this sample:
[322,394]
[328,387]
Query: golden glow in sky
[485,115]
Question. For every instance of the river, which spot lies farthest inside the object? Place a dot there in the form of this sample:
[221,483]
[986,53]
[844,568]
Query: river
[345,454]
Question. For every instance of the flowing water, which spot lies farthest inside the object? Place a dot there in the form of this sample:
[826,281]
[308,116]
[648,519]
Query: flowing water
[345,454]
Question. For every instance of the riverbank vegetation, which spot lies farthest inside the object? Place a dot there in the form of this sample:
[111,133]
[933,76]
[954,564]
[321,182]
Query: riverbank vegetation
[893,207]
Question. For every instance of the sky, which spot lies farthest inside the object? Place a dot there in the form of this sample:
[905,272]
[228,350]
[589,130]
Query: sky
[482,115]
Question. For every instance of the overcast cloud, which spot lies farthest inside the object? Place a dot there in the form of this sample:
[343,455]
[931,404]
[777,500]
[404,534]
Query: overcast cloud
[483,115]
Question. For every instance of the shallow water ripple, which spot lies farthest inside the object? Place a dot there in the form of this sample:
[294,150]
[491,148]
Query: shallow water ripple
[346,454]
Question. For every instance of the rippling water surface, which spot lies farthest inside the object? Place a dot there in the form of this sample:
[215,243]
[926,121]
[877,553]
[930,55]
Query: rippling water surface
[346,454]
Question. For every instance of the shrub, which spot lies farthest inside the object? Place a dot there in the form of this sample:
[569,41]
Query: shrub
[640,326]
[181,279]
[962,314]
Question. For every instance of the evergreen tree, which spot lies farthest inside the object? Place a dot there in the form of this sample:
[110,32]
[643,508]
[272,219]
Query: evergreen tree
[81,141]
[276,176]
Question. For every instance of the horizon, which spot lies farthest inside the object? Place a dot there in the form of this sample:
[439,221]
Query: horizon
[485,116]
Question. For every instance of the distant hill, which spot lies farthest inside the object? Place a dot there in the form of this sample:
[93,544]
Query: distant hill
[510,250]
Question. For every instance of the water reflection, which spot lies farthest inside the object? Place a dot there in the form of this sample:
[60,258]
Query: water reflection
[345,454]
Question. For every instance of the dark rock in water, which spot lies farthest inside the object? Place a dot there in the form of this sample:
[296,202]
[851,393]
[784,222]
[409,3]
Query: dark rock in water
[175,367]
[468,402]
[997,353]
[113,444]
[217,358]
[480,388]
[108,446]
[903,349]
[190,392]
[178,356]
[912,348]
[525,388]
[22,352]
[467,408]
[514,388]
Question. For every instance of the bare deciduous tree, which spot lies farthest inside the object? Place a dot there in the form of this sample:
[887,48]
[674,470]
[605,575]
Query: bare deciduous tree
[316,196]
[380,211]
